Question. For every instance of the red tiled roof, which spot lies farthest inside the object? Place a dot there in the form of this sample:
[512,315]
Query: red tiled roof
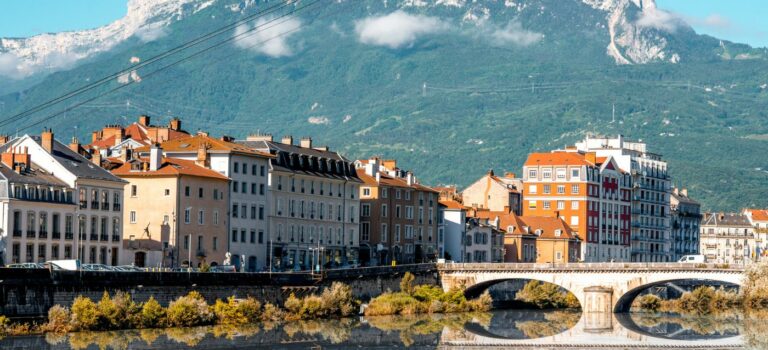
[556,158]
[451,204]
[386,180]
[170,167]
[759,214]
[548,225]
[192,143]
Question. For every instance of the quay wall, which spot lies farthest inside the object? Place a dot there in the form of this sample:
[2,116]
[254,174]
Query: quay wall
[31,292]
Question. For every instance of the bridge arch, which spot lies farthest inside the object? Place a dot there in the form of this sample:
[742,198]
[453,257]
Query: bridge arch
[624,301]
[474,291]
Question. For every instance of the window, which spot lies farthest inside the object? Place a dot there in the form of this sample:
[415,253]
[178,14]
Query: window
[384,210]
[532,204]
[235,185]
[200,192]
[262,171]
[574,221]
[262,189]
[561,173]
[546,205]
[253,236]
[547,189]
[215,193]
[574,205]
[575,189]
[186,191]
[234,235]
[366,192]
[559,255]
[397,234]
[187,214]
[384,192]
[365,210]
[254,169]
[407,195]
[234,210]
[215,242]
[261,236]
[236,168]
[560,205]
[244,211]
[384,232]
[546,173]
[200,217]
[261,212]
[215,217]
[397,194]
[133,217]
[365,231]
[186,242]
[575,174]
[253,212]
[167,192]
[242,236]
[532,189]
[532,174]
[134,192]
[560,189]
[199,242]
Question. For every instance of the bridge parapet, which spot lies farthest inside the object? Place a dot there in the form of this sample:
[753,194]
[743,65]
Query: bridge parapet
[588,267]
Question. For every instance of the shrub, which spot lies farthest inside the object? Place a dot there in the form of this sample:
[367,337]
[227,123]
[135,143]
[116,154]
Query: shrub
[59,320]
[228,313]
[189,311]
[545,295]
[85,314]
[649,302]
[406,283]
[293,304]
[152,314]
[312,307]
[391,304]
[250,308]
[427,293]
[338,300]
[272,313]
[482,303]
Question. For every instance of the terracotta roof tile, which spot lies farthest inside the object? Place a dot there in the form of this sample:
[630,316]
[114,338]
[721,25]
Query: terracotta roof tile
[170,167]
[451,204]
[386,180]
[192,143]
[556,158]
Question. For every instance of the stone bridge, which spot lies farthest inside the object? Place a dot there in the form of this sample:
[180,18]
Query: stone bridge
[599,287]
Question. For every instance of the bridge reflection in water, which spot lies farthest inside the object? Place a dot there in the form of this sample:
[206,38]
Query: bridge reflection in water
[594,331]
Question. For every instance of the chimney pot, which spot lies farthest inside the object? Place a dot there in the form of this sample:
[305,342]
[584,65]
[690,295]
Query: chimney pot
[175,124]
[144,120]
[288,140]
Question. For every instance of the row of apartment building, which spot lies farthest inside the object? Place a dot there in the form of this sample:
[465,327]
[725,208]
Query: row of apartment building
[156,195]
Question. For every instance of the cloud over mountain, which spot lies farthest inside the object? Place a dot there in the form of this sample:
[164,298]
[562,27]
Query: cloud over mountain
[268,37]
[397,29]
[514,33]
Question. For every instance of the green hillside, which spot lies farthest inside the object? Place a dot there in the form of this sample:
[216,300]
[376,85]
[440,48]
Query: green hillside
[485,105]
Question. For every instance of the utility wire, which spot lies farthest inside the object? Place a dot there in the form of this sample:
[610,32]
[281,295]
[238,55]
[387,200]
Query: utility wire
[233,38]
[158,57]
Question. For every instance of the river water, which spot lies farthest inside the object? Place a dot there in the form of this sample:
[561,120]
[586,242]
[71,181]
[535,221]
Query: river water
[514,329]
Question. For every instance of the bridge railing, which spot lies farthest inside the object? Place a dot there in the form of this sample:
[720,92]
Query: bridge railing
[618,266]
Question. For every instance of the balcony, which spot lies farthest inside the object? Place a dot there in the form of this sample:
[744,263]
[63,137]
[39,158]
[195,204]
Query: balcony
[104,206]
[56,235]
[104,238]
[17,233]
[94,237]
[83,205]
[30,233]
[94,205]
[116,207]
[115,238]
[69,236]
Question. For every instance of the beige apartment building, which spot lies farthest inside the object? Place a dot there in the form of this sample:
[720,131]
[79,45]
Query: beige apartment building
[398,216]
[727,238]
[175,212]
[495,193]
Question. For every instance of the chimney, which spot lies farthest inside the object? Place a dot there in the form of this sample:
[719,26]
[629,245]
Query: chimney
[144,120]
[47,140]
[409,178]
[675,191]
[390,164]
[126,155]
[378,177]
[372,168]
[155,157]
[490,172]
[202,133]
[4,139]
[175,124]
[590,157]
[288,140]
[74,145]
[684,192]
[259,137]
[202,156]
[7,158]
[226,138]
[322,148]
[306,142]
[94,136]
[96,158]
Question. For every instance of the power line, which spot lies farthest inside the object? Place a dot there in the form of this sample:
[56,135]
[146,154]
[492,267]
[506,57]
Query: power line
[158,57]
[233,38]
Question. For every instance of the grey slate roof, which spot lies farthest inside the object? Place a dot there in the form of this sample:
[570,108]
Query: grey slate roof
[309,161]
[74,162]
[725,219]
[33,176]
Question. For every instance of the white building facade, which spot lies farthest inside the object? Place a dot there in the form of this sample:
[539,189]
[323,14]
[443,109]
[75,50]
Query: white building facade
[727,238]
[651,237]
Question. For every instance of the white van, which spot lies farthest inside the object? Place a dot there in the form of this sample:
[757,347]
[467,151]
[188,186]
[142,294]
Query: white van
[693,259]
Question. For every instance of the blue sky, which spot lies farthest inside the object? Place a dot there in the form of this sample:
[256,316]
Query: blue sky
[735,20]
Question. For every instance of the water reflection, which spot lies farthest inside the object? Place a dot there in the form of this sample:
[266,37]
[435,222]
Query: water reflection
[519,329]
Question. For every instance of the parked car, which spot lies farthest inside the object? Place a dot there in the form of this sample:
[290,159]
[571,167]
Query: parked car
[223,268]
[701,259]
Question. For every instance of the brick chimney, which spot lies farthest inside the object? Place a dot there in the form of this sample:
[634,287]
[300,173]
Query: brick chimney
[288,140]
[144,120]
[96,158]
[95,136]
[306,142]
[17,159]
[46,140]
[4,139]
[203,159]
[74,145]
[175,124]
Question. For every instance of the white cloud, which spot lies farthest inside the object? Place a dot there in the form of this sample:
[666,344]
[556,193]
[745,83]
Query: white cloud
[268,38]
[11,66]
[397,29]
[151,32]
[322,120]
[652,17]
[713,21]
[514,33]
[14,67]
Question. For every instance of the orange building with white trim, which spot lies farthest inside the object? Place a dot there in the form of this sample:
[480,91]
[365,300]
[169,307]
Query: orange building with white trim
[591,194]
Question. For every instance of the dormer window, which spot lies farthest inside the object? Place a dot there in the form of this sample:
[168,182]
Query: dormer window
[558,233]
[510,229]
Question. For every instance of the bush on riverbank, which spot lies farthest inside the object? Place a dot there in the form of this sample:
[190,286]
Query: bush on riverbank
[333,302]
[424,299]
[546,296]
